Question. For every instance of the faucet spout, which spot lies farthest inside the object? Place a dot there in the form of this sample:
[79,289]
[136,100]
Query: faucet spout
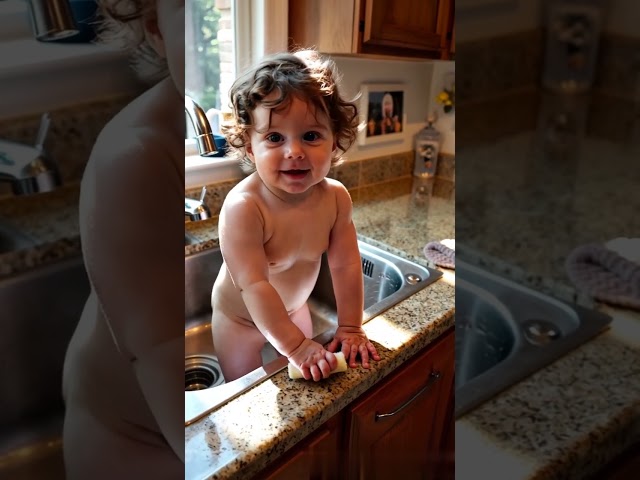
[204,135]
[52,19]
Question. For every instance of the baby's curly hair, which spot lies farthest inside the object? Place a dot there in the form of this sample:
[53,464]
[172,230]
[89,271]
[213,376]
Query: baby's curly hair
[304,74]
[122,26]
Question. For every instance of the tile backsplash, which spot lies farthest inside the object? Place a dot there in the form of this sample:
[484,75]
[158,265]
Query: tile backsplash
[498,92]
[366,179]
[498,66]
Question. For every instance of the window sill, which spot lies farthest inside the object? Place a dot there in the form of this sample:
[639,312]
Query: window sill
[199,171]
[39,77]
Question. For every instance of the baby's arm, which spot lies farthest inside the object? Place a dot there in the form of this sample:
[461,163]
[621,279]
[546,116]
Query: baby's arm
[242,244]
[346,274]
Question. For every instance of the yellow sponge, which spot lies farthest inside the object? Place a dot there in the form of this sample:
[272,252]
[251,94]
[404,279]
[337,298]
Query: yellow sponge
[294,373]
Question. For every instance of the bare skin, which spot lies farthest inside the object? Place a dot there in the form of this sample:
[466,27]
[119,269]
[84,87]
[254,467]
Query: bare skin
[123,374]
[274,227]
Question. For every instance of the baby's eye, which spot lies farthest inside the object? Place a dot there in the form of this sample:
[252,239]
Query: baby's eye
[274,137]
[311,136]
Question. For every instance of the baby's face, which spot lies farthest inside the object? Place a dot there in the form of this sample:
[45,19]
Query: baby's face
[292,152]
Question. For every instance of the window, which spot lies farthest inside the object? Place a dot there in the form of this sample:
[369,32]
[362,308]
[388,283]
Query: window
[223,37]
[209,55]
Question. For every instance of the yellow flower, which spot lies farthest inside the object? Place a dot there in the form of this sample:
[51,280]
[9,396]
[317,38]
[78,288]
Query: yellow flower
[443,97]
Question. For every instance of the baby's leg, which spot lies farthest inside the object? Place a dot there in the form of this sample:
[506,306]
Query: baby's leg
[237,346]
[302,319]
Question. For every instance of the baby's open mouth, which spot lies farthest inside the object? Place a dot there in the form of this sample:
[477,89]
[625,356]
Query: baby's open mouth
[295,173]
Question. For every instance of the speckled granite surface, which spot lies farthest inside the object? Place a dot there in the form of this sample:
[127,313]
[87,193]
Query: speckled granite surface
[242,437]
[528,207]
[50,219]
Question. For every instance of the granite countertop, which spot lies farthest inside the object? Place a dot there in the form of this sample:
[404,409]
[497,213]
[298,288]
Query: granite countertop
[50,219]
[523,204]
[245,435]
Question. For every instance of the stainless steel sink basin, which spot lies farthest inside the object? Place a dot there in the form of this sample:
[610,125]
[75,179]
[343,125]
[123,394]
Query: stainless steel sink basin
[40,311]
[190,239]
[388,279]
[13,239]
[505,332]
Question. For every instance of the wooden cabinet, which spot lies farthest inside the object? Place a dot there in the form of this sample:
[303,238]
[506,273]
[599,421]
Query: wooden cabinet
[400,28]
[623,467]
[398,427]
[315,458]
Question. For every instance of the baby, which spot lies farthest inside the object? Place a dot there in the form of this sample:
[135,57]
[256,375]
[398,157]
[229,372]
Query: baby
[123,381]
[291,125]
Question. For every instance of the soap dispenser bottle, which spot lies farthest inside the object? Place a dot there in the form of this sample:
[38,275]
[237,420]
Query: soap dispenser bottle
[427,149]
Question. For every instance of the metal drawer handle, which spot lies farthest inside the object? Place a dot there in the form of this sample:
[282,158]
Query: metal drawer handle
[433,378]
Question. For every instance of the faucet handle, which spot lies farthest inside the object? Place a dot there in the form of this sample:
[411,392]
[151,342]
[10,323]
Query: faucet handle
[195,210]
[43,130]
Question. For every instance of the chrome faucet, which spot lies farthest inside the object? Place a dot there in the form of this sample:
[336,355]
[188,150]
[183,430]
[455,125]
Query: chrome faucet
[28,168]
[52,19]
[204,135]
[195,210]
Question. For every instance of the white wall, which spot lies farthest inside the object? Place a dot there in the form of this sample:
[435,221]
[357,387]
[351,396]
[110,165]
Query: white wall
[416,75]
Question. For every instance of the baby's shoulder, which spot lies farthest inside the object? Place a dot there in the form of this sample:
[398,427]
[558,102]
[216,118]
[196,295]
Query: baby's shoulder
[336,189]
[333,187]
[243,198]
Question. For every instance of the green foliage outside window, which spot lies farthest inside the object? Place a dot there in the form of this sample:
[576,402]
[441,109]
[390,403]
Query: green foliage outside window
[206,52]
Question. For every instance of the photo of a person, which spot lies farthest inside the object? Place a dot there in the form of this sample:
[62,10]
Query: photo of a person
[385,113]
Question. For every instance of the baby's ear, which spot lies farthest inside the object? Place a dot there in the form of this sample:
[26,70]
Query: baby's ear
[249,151]
[153,35]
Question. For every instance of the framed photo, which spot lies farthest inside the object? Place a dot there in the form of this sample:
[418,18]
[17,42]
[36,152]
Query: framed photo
[382,110]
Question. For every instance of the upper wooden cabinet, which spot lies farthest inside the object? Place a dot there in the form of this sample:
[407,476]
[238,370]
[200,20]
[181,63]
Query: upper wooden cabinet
[401,28]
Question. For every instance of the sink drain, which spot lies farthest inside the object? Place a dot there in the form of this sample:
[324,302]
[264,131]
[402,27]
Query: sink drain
[540,332]
[201,372]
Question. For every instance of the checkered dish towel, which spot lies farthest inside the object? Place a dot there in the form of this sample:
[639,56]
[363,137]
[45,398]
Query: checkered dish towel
[443,253]
[605,275]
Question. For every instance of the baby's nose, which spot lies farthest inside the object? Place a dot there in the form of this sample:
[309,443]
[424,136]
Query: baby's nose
[295,150]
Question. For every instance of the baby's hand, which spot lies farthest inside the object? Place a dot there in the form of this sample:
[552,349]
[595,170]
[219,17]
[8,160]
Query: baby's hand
[313,360]
[354,342]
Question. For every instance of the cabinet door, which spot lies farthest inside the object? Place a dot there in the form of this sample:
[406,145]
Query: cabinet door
[329,25]
[396,430]
[407,27]
[315,458]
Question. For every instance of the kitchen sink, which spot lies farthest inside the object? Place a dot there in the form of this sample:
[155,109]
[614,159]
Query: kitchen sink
[40,310]
[13,239]
[190,239]
[388,279]
[505,332]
